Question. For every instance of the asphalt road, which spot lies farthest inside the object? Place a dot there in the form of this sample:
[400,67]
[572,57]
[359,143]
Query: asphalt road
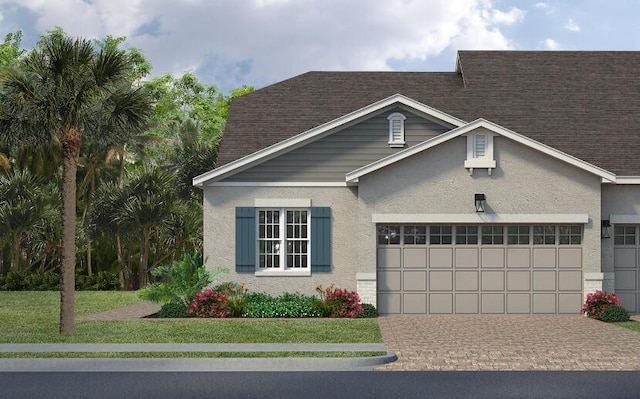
[350,384]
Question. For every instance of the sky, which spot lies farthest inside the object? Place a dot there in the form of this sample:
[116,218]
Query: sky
[231,43]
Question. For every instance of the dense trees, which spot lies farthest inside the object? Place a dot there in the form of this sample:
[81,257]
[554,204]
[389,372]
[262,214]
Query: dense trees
[78,122]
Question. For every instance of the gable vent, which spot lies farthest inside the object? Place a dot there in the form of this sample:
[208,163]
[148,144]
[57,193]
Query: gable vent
[480,146]
[396,129]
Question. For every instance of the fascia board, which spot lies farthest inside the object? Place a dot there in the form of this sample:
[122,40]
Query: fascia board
[300,139]
[478,123]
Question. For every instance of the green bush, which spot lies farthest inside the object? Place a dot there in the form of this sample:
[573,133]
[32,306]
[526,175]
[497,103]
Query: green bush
[13,281]
[614,313]
[287,305]
[173,310]
[179,282]
[237,294]
[369,311]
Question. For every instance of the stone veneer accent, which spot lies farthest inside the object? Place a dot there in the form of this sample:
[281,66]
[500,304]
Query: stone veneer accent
[367,288]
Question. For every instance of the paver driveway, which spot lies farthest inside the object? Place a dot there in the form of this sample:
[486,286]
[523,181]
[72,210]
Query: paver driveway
[508,343]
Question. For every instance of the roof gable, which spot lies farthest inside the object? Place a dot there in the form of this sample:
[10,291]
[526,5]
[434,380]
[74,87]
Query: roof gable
[319,131]
[353,176]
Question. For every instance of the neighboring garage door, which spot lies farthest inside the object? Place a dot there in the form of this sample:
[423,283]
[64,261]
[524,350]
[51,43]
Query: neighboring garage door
[479,269]
[626,267]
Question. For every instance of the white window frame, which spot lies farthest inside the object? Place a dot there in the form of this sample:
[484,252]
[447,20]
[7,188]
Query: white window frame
[282,269]
[393,142]
[475,160]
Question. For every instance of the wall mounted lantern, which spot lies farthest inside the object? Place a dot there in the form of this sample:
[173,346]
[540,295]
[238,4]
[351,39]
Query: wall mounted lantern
[606,223]
[480,200]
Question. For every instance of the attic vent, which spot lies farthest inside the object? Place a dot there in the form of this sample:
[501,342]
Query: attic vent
[396,129]
[480,152]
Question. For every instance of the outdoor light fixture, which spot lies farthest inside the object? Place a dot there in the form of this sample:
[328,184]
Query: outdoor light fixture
[479,201]
[606,223]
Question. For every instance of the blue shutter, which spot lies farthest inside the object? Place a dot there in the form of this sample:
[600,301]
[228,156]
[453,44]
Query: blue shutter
[245,239]
[320,240]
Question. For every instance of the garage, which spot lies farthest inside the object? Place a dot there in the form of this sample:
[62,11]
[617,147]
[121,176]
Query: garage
[480,269]
[626,265]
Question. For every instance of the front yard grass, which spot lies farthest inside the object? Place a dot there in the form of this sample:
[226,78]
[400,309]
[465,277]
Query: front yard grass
[32,317]
[631,325]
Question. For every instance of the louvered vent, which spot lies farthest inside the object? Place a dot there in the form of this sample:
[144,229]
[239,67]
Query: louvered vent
[396,129]
[481,146]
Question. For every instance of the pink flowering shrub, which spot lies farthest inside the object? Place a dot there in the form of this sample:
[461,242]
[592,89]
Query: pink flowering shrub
[337,302]
[598,302]
[210,303]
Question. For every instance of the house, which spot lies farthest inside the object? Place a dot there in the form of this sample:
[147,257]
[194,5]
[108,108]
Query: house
[510,185]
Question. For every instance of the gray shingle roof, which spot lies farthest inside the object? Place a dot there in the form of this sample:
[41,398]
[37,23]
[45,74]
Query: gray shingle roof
[586,104]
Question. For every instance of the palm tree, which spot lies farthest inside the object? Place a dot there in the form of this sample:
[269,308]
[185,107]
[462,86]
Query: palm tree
[66,89]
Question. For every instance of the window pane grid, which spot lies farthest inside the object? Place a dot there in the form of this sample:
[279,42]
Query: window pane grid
[268,242]
[570,235]
[415,235]
[440,235]
[389,235]
[518,235]
[493,235]
[297,246]
[466,235]
[544,235]
[625,235]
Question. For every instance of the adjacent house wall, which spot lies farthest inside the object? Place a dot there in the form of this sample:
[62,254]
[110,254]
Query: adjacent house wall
[616,200]
[219,235]
[524,182]
[331,157]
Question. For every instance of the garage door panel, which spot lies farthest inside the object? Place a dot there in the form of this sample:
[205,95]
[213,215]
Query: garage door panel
[467,258]
[389,258]
[441,303]
[440,258]
[544,280]
[519,257]
[415,258]
[466,280]
[440,281]
[568,303]
[544,258]
[467,303]
[389,280]
[389,303]
[624,258]
[415,303]
[492,303]
[625,280]
[414,280]
[492,257]
[544,303]
[519,303]
[628,300]
[518,280]
[569,280]
[492,280]
[570,258]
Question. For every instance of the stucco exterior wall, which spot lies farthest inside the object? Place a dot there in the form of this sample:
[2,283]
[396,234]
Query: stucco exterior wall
[219,235]
[435,181]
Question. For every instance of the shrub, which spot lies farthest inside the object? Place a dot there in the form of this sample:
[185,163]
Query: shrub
[210,303]
[237,297]
[598,302]
[173,310]
[286,305]
[180,281]
[13,281]
[614,313]
[336,302]
[368,311]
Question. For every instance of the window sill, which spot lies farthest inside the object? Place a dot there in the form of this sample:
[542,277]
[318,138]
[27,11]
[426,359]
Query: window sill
[283,273]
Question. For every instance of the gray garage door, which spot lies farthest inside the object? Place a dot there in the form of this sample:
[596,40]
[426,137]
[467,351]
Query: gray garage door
[488,269]
[626,266]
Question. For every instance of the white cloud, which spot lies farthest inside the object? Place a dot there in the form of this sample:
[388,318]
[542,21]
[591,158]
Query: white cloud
[263,41]
[572,26]
[550,44]
[546,7]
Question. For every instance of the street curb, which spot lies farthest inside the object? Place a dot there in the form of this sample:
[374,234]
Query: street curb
[193,364]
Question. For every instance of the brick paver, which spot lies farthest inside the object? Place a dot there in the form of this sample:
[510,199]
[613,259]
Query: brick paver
[508,343]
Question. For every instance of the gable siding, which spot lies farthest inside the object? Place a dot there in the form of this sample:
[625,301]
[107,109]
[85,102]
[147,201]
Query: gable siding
[329,158]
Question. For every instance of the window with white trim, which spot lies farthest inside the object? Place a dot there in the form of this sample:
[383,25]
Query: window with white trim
[283,239]
[480,151]
[396,129]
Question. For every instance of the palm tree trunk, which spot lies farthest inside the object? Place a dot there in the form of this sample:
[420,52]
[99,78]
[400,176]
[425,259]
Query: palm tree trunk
[70,154]
[143,274]
[15,252]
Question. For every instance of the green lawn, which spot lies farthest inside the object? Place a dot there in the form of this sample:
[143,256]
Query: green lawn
[631,325]
[32,317]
